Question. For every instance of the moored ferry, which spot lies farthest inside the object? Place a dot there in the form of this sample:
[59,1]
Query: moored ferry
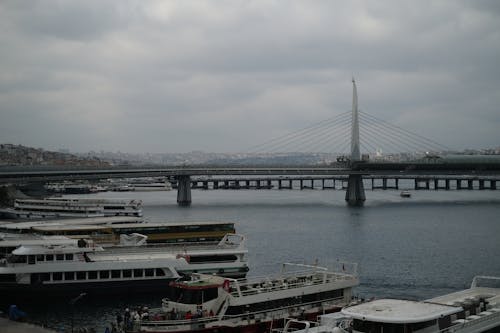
[49,267]
[472,310]
[107,230]
[209,303]
[74,207]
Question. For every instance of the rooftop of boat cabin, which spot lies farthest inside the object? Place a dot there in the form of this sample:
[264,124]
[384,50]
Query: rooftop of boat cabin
[70,227]
[113,221]
[207,283]
[80,221]
[30,239]
[396,311]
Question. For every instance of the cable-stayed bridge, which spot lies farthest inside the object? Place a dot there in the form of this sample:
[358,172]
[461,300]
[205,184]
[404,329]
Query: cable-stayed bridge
[367,148]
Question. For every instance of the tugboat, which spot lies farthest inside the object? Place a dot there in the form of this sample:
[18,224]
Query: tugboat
[209,303]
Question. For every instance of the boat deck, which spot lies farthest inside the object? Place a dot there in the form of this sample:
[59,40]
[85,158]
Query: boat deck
[459,297]
[158,251]
[253,288]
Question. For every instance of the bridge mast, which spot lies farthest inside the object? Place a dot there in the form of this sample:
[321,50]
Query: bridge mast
[355,152]
[355,195]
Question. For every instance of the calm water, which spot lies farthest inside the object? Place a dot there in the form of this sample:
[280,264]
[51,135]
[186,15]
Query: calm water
[430,244]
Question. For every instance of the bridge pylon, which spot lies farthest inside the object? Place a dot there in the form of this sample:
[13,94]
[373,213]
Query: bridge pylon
[355,195]
[184,190]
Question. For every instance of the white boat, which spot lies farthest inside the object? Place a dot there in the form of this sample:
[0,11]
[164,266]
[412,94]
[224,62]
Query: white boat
[49,267]
[75,207]
[472,310]
[215,304]
[405,194]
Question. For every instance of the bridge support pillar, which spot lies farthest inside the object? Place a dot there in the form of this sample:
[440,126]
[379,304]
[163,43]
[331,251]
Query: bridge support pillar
[355,194]
[184,190]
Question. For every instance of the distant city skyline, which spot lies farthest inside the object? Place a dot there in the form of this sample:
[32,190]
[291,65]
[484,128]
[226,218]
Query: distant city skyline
[214,76]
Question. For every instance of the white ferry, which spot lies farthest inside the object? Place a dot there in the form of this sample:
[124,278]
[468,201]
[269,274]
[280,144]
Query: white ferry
[216,304]
[74,207]
[473,310]
[52,268]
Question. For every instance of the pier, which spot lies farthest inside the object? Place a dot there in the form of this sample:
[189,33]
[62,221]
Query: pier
[9,326]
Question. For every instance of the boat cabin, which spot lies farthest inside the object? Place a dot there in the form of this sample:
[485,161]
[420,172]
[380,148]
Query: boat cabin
[393,315]
[202,294]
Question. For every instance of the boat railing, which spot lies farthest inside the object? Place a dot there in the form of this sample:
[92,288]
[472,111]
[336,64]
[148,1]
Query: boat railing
[300,281]
[474,321]
[476,279]
[181,247]
[254,314]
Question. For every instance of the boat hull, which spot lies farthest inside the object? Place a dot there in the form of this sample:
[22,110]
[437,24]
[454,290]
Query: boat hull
[250,326]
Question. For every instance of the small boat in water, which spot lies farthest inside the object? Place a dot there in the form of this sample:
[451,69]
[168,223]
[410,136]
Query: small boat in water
[405,194]
[208,303]
[472,310]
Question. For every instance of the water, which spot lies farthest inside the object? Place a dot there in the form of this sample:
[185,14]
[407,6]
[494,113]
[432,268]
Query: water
[430,244]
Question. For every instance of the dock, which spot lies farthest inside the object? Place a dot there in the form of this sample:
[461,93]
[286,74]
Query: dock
[9,326]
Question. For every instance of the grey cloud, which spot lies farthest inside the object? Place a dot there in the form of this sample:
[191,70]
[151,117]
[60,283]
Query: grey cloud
[179,76]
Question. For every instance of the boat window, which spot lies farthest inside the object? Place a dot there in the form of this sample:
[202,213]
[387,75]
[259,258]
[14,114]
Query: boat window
[18,259]
[213,258]
[92,275]
[49,257]
[127,273]
[40,257]
[45,277]
[115,274]
[57,276]
[8,278]
[69,256]
[150,272]
[59,256]
[69,276]
[419,326]
[81,275]
[160,272]
[368,326]
[193,296]
[104,274]
[31,260]
[138,272]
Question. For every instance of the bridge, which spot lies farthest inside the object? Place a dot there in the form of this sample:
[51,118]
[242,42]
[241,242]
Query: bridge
[430,172]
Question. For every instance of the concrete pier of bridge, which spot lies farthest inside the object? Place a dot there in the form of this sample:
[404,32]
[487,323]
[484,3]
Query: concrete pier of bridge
[184,190]
[354,185]
[355,194]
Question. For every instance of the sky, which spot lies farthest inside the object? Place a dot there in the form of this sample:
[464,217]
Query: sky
[223,76]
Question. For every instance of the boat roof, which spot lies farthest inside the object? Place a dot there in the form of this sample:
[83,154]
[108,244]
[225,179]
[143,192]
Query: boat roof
[81,221]
[168,224]
[70,227]
[397,311]
[36,240]
[53,249]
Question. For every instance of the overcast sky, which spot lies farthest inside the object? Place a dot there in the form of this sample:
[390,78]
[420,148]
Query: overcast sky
[222,76]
